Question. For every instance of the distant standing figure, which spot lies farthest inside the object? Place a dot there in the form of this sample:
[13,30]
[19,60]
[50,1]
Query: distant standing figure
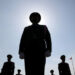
[19,72]
[52,72]
[8,67]
[35,46]
[63,67]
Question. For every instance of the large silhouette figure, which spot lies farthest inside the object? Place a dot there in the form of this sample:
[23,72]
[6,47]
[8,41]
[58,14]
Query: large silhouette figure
[8,67]
[35,45]
[63,67]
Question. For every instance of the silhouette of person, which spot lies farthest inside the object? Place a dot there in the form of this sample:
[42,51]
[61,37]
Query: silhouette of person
[35,45]
[52,72]
[19,72]
[8,67]
[63,67]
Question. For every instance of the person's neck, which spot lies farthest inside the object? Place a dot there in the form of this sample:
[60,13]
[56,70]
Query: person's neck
[34,24]
[52,74]
[63,61]
[9,61]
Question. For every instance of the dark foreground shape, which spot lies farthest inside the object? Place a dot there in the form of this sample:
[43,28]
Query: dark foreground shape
[35,41]
[8,67]
[63,67]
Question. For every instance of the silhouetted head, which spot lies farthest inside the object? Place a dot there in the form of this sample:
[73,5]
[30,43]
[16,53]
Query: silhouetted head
[19,71]
[62,58]
[51,71]
[35,17]
[9,57]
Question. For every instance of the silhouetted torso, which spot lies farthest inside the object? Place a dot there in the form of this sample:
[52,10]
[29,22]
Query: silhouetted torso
[34,42]
[8,68]
[64,69]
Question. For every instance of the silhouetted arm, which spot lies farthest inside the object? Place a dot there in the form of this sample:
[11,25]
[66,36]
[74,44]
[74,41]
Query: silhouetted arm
[21,46]
[3,69]
[68,69]
[13,67]
[48,39]
[59,68]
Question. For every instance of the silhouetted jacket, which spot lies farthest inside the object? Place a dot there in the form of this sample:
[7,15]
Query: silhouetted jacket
[35,39]
[64,69]
[8,68]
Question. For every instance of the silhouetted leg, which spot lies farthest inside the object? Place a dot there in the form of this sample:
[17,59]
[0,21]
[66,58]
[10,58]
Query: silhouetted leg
[34,66]
[27,67]
[41,66]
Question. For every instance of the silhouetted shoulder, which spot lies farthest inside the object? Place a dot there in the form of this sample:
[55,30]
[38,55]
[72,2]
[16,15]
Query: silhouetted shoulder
[42,25]
[59,63]
[5,63]
[28,28]
[66,63]
[12,62]
[35,26]
[63,63]
[9,64]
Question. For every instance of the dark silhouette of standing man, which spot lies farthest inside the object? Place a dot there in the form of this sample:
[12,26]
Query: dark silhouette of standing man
[52,72]
[63,67]
[35,45]
[19,72]
[8,67]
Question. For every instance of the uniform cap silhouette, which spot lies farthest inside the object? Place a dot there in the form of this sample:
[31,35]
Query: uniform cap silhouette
[9,56]
[62,57]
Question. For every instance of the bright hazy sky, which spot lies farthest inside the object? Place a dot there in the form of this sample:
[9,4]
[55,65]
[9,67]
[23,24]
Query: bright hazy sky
[57,15]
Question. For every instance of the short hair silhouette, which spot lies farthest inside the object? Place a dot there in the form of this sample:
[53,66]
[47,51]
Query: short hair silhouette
[52,72]
[35,17]
[18,72]
[62,57]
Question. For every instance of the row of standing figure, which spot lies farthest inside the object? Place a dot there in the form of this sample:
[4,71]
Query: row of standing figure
[63,67]
[35,46]
[9,66]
